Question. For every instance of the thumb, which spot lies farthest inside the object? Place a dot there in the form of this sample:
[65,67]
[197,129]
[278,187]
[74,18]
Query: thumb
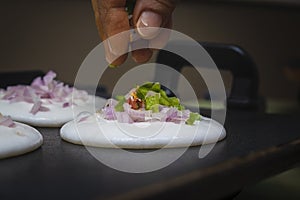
[150,15]
[148,24]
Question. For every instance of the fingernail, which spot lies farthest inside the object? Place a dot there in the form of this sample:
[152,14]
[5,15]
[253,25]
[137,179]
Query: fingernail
[118,44]
[111,49]
[149,24]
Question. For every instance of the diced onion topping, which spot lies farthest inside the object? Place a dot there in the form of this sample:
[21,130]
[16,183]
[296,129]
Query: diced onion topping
[6,121]
[44,88]
[147,103]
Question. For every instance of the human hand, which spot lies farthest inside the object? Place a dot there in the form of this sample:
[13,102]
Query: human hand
[112,18]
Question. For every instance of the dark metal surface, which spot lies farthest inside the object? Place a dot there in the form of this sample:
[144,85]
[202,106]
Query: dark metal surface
[257,146]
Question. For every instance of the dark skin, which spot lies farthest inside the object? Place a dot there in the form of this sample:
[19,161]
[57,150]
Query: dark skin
[112,18]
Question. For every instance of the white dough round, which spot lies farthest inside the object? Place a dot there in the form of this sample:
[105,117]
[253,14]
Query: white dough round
[18,140]
[142,135]
[55,117]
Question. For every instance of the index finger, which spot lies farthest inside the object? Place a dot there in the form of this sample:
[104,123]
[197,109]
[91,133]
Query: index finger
[111,19]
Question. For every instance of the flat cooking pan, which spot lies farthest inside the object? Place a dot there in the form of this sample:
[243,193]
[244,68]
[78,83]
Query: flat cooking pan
[257,146]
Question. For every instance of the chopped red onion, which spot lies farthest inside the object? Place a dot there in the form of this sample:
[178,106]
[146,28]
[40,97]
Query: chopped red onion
[44,109]
[6,121]
[109,110]
[46,89]
[129,115]
[37,106]
[123,117]
[66,104]
[135,115]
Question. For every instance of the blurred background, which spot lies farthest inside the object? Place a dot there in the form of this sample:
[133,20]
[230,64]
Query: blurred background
[58,34]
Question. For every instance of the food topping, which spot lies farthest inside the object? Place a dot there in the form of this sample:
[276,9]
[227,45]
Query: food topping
[44,89]
[147,102]
[6,121]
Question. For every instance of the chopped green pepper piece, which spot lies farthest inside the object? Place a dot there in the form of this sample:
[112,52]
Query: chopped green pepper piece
[155,87]
[174,101]
[151,100]
[119,106]
[141,92]
[120,98]
[193,117]
[155,108]
[148,85]
[112,66]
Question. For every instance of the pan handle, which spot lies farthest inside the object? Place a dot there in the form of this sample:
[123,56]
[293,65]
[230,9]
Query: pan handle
[244,91]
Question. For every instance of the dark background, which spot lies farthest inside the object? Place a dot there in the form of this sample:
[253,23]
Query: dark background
[58,34]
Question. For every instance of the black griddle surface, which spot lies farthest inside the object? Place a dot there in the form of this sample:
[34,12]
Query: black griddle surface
[257,146]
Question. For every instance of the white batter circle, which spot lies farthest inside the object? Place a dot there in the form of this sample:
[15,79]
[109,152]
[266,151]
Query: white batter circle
[55,117]
[18,140]
[105,133]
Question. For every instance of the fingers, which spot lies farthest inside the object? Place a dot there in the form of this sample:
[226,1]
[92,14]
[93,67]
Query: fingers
[146,20]
[141,55]
[111,19]
[149,16]
[152,13]
[112,59]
